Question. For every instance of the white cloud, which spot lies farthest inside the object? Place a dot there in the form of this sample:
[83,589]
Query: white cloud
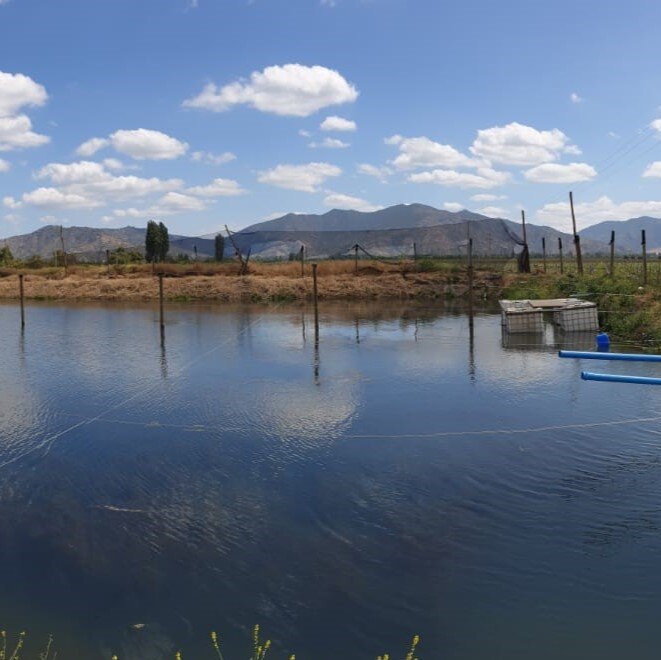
[575,98]
[329,143]
[218,188]
[113,164]
[87,184]
[335,123]
[381,173]
[517,144]
[656,125]
[16,133]
[91,146]
[422,152]
[453,206]
[18,91]
[171,204]
[487,197]
[305,178]
[12,218]
[212,159]
[145,144]
[340,201]
[485,178]
[5,166]
[393,139]
[303,133]
[653,170]
[558,215]
[52,198]
[290,90]
[10,202]
[493,211]
[557,173]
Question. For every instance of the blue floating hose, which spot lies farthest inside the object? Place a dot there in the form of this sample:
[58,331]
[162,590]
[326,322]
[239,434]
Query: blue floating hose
[617,378]
[594,355]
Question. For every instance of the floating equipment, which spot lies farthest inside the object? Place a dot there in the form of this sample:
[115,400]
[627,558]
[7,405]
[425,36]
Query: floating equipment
[570,314]
[593,355]
[603,342]
[617,378]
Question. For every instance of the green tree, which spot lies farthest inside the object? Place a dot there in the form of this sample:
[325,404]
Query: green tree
[164,241]
[152,240]
[6,257]
[219,247]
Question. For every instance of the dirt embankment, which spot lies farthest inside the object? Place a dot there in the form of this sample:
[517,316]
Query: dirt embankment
[367,284]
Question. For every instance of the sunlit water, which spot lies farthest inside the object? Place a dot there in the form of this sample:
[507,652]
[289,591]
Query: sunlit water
[404,476]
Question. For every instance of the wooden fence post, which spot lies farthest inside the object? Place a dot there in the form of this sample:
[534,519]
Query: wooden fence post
[544,252]
[577,238]
[611,270]
[562,269]
[644,245]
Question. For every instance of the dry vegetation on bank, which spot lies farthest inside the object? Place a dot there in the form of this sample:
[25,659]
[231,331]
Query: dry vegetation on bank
[337,280]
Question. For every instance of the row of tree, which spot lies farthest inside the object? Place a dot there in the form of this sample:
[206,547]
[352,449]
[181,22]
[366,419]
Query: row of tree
[157,241]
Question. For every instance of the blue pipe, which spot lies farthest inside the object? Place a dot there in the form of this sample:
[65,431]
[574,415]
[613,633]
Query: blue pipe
[617,378]
[594,355]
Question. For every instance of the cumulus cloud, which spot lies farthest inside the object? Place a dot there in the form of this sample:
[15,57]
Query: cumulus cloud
[487,197]
[558,215]
[517,144]
[393,139]
[656,125]
[10,203]
[87,184]
[340,201]
[53,198]
[173,203]
[91,146]
[16,133]
[493,211]
[218,188]
[212,159]
[4,165]
[575,98]
[329,143]
[421,152]
[653,170]
[17,92]
[145,144]
[335,123]
[557,173]
[304,178]
[293,90]
[484,178]
[453,206]
[381,173]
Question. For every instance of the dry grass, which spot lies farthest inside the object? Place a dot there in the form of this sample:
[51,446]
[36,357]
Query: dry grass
[266,282]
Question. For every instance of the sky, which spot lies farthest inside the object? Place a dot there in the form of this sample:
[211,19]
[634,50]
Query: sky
[202,113]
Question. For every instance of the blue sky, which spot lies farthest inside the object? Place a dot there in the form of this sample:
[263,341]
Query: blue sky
[211,112]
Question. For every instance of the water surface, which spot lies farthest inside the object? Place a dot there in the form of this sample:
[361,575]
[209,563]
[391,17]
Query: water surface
[404,474]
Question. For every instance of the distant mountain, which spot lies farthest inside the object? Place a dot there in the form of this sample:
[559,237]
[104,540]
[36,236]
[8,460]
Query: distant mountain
[402,216]
[87,243]
[627,233]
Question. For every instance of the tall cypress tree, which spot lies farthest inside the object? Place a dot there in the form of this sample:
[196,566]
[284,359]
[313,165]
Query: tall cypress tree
[164,241]
[219,246]
[152,241]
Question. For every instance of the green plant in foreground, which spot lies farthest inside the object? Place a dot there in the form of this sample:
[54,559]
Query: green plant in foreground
[260,648]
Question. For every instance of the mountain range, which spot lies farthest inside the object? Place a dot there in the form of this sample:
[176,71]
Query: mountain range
[391,231]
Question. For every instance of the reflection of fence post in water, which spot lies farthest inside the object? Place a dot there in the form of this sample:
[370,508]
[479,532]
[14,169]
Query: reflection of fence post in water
[470,276]
[471,345]
[316,306]
[160,302]
[164,357]
[22,296]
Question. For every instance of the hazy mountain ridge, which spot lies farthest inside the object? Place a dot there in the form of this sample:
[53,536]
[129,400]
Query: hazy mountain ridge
[386,232]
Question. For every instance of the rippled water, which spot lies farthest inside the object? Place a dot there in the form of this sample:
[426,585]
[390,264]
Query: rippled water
[404,476]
